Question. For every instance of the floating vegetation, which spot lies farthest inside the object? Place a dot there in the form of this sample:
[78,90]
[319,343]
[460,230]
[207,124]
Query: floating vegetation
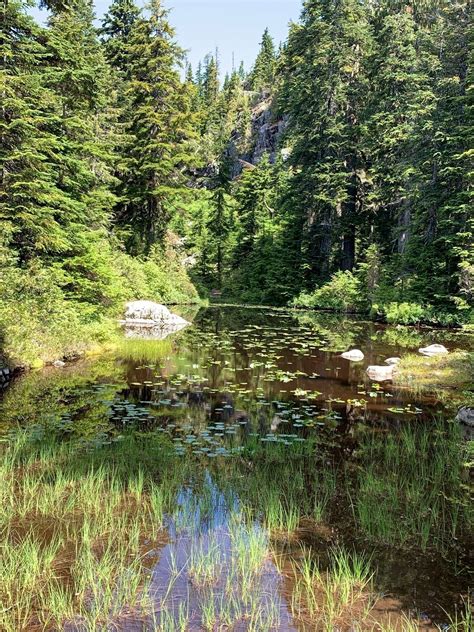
[230,477]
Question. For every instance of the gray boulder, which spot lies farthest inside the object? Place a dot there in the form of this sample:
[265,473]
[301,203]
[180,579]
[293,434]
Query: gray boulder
[150,311]
[146,319]
[393,361]
[380,373]
[433,350]
[354,355]
[466,416]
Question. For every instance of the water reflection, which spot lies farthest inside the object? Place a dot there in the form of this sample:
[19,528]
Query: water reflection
[261,406]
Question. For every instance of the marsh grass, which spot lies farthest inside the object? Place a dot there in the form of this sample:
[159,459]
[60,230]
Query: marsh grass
[410,487]
[142,350]
[327,597]
[463,618]
[448,376]
[73,536]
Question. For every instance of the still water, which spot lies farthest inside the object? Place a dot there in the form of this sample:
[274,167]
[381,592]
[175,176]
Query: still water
[262,418]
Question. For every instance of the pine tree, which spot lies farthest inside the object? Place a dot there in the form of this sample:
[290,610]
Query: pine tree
[78,75]
[159,130]
[116,28]
[263,73]
[210,82]
[219,220]
[324,92]
[400,102]
[32,203]
[254,197]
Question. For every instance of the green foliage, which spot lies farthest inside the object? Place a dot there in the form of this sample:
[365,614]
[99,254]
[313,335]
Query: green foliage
[415,314]
[158,128]
[263,73]
[342,294]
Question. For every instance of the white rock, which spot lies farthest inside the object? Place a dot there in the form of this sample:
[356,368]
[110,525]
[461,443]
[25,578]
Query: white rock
[380,373]
[355,355]
[59,364]
[433,350]
[393,361]
[466,416]
[142,311]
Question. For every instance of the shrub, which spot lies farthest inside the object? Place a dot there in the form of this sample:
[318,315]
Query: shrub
[402,313]
[343,293]
[414,314]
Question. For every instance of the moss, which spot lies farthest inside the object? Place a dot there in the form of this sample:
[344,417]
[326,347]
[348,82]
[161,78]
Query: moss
[440,375]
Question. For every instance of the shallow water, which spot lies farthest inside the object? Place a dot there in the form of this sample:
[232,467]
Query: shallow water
[258,404]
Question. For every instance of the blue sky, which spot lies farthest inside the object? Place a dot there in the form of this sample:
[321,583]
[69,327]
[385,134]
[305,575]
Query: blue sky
[230,25]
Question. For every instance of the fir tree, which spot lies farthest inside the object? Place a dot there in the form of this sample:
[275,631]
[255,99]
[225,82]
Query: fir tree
[159,130]
[116,28]
[325,87]
[263,72]
[32,203]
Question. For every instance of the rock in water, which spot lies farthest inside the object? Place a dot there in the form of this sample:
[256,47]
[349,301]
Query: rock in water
[142,311]
[355,355]
[380,373]
[433,350]
[152,321]
[466,416]
[393,361]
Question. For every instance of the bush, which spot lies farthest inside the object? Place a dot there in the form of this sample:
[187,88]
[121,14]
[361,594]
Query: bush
[401,313]
[57,311]
[343,293]
[415,314]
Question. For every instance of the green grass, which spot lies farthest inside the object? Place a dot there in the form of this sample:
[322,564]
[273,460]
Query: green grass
[77,524]
[341,592]
[72,534]
[410,487]
[447,376]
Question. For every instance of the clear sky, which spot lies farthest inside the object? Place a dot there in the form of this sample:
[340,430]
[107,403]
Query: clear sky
[230,25]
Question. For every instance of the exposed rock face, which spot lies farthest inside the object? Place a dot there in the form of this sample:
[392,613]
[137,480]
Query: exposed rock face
[354,355]
[266,132]
[433,350]
[466,416]
[380,373]
[265,135]
[146,319]
[393,361]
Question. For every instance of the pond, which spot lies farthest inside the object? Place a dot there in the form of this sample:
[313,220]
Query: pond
[239,475]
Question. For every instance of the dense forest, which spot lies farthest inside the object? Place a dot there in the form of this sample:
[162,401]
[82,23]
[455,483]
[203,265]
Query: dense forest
[335,173]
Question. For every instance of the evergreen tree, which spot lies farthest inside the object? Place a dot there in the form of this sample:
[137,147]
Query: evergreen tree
[263,73]
[324,93]
[32,202]
[219,221]
[210,82]
[78,75]
[159,130]
[116,29]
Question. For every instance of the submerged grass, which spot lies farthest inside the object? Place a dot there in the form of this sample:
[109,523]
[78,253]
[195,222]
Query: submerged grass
[72,535]
[409,488]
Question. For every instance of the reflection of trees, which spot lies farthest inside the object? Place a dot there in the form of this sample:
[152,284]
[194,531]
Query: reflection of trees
[75,399]
[340,333]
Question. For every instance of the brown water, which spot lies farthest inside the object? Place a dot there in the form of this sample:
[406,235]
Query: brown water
[257,404]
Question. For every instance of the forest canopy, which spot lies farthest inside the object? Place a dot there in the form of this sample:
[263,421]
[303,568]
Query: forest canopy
[334,173]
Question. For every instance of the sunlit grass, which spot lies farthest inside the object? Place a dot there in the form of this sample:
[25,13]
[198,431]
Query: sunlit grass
[142,350]
[342,591]
[71,538]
